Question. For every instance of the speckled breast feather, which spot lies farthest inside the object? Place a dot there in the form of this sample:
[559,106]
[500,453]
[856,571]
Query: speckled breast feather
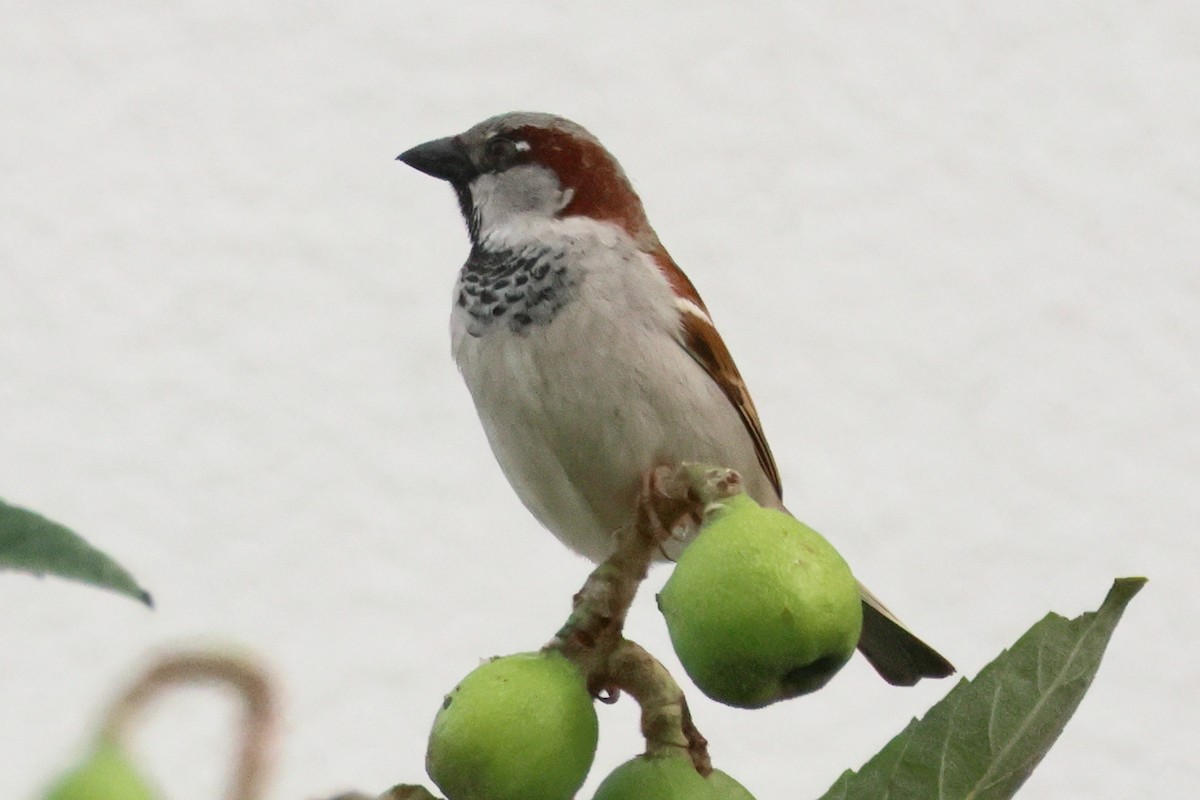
[518,289]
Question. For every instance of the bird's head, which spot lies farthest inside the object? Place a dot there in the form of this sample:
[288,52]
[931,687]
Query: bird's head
[525,163]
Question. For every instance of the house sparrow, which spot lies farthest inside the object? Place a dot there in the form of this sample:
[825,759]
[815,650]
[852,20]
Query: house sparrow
[589,354]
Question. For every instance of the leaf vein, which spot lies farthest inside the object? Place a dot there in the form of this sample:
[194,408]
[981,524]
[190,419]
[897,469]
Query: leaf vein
[987,779]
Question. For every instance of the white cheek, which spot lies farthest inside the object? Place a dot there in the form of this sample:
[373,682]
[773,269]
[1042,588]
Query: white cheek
[524,191]
[483,190]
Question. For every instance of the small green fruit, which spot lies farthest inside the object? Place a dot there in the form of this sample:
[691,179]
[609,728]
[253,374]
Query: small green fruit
[726,788]
[760,607]
[107,774]
[516,728]
[668,777]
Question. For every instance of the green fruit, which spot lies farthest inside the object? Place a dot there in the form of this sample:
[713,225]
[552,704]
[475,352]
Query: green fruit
[668,777]
[517,728]
[107,774]
[760,607]
[726,788]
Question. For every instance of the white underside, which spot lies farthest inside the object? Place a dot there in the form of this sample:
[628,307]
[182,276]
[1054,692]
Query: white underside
[578,409]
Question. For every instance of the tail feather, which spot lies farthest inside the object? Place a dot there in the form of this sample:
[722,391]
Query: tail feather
[893,650]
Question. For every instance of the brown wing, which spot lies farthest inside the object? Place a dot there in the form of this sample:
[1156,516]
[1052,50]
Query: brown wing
[699,337]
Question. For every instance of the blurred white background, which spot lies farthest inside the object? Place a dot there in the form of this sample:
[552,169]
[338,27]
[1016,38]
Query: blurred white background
[955,249]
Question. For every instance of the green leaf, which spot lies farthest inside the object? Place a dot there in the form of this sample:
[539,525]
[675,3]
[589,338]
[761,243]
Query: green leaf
[983,739]
[32,543]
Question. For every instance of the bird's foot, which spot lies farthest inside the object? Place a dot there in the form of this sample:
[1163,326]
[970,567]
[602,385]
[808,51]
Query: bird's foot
[674,499]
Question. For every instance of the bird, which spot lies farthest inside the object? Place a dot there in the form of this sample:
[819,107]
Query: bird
[589,354]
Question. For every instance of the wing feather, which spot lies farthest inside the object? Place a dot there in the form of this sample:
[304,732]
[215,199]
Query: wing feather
[698,336]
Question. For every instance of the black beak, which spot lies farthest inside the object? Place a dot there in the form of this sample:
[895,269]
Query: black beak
[442,158]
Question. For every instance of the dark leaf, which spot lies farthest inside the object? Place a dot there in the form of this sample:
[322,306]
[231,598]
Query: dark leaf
[983,739]
[32,543]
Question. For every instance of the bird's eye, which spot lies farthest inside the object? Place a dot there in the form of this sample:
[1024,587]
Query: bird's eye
[501,149]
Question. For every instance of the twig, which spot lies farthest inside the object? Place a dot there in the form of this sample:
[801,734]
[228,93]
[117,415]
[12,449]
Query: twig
[672,504]
[246,678]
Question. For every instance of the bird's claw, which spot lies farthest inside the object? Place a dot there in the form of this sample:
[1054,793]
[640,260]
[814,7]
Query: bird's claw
[674,499]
